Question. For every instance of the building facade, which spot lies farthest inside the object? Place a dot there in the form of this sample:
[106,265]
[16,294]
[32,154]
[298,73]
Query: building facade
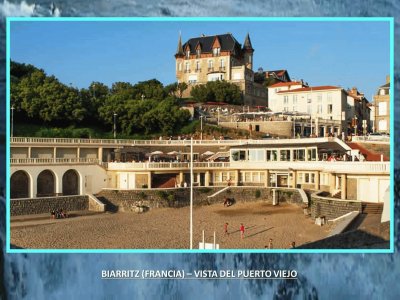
[344,111]
[219,57]
[358,108]
[382,108]
[42,167]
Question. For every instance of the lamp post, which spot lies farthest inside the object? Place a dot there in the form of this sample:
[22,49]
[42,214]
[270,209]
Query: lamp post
[191,193]
[201,127]
[355,125]
[115,125]
[12,121]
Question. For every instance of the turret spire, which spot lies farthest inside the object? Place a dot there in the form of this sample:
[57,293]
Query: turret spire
[179,50]
[247,43]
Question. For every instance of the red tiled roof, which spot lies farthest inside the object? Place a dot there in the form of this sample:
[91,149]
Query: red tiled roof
[286,84]
[314,88]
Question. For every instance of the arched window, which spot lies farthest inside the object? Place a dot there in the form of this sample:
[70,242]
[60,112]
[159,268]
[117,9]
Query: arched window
[45,184]
[19,185]
[70,183]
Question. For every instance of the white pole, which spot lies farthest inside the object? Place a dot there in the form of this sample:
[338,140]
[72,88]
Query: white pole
[115,125]
[214,240]
[12,120]
[204,245]
[191,193]
[201,127]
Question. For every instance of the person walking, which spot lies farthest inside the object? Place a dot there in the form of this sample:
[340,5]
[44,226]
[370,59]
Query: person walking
[270,244]
[241,231]
[226,228]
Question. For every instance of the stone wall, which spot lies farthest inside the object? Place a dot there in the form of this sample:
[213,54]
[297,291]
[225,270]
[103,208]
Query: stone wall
[275,128]
[128,200]
[332,208]
[47,204]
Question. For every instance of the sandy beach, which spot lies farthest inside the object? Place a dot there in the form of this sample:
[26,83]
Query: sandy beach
[168,228]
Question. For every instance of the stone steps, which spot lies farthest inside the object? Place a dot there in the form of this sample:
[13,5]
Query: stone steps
[372,208]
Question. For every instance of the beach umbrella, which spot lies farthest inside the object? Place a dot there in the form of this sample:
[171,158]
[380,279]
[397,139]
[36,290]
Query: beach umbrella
[208,153]
[156,153]
[173,153]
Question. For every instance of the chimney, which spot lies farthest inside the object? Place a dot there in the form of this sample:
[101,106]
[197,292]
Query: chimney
[387,78]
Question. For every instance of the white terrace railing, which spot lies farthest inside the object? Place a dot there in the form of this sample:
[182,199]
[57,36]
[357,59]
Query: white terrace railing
[335,167]
[52,161]
[120,142]
[380,139]
[166,165]
[344,167]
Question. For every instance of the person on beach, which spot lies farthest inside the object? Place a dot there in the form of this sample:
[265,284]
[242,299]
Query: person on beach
[270,244]
[293,245]
[241,231]
[226,228]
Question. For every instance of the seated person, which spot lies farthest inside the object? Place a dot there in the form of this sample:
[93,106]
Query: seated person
[62,213]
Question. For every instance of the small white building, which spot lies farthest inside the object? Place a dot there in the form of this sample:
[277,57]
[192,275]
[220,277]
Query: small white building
[273,96]
[347,109]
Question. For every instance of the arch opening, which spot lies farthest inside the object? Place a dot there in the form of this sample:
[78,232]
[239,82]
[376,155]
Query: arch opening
[45,184]
[70,183]
[19,185]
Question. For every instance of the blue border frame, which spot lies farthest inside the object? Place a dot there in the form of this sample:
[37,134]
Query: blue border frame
[201,19]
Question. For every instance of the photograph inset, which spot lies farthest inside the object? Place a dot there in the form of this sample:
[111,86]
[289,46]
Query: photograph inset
[174,135]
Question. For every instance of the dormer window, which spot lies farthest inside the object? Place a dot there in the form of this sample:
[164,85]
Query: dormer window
[188,54]
[198,52]
[216,51]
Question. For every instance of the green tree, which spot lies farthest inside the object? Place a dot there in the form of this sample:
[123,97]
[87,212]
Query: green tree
[171,89]
[202,93]
[221,91]
[93,98]
[182,86]
[150,89]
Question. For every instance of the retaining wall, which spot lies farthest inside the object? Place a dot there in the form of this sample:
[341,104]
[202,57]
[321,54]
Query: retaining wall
[128,200]
[332,208]
[31,206]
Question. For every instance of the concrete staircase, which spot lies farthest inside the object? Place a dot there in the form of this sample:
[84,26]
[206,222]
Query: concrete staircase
[164,182]
[111,203]
[368,154]
[218,155]
[371,208]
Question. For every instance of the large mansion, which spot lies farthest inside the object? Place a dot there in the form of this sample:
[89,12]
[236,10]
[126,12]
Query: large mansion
[219,57]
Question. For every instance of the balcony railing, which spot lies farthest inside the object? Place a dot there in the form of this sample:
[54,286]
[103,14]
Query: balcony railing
[347,167]
[322,166]
[52,161]
[331,167]
[121,142]
[166,165]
